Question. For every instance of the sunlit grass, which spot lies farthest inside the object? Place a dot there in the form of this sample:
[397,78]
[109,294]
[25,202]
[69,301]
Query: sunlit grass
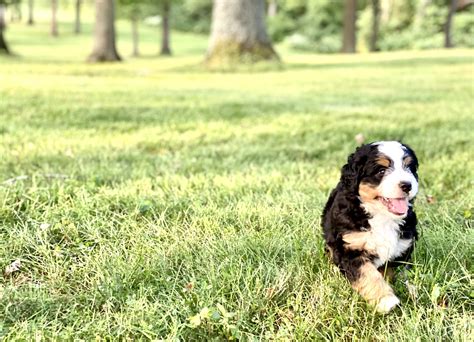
[152,199]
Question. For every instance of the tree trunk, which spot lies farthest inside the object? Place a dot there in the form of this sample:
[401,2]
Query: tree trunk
[54,19]
[165,38]
[375,25]
[20,12]
[77,22]
[30,12]
[15,12]
[104,36]
[272,8]
[349,30]
[238,33]
[3,43]
[135,36]
[448,39]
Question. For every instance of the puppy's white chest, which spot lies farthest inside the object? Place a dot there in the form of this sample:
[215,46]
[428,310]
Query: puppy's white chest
[385,239]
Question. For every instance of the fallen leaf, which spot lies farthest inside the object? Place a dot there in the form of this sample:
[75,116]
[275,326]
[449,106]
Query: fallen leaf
[430,199]
[359,138]
[435,293]
[270,292]
[412,290]
[13,267]
[44,226]
[195,321]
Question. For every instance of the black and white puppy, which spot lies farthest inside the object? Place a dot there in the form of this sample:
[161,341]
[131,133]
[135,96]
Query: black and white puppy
[368,222]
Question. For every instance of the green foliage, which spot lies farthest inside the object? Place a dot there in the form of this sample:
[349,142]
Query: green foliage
[320,23]
[309,25]
[281,26]
[464,29]
[138,9]
[193,16]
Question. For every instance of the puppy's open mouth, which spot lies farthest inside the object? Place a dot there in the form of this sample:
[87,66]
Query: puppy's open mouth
[397,206]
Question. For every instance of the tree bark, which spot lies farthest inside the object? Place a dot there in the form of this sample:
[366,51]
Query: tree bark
[30,12]
[349,30]
[272,8]
[77,22]
[238,33]
[165,38]
[3,43]
[135,36]
[375,25]
[104,36]
[54,19]
[448,39]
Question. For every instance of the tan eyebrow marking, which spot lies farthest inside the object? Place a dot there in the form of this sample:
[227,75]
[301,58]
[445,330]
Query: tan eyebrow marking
[407,160]
[383,160]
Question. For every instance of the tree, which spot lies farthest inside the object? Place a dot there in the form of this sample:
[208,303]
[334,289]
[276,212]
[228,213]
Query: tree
[375,25]
[272,8]
[30,12]
[54,18]
[135,34]
[15,10]
[165,36]
[104,37]
[3,43]
[77,21]
[349,29]
[238,33]
[133,10]
[448,42]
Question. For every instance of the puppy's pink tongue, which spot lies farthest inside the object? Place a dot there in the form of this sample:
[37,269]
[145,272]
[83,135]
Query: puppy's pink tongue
[398,206]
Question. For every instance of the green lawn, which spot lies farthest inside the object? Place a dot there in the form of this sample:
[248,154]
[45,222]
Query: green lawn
[161,201]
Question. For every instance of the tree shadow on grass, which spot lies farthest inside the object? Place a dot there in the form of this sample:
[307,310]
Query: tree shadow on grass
[416,62]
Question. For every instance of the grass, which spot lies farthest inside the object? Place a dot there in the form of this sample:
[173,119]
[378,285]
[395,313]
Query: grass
[161,201]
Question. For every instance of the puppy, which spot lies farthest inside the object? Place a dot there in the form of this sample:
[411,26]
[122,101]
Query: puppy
[368,221]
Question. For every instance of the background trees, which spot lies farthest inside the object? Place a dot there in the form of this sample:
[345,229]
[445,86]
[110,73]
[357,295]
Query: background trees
[133,11]
[54,18]
[239,33]
[165,22]
[375,4]
[3,25]
[30,12]
[77,17]
[324,26]
[448,42]
[349,30]
[104,37]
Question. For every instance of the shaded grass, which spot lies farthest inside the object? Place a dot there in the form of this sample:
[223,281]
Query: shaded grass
[152,193]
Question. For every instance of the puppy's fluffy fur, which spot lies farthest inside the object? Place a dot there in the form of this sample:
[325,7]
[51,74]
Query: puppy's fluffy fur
[368,221]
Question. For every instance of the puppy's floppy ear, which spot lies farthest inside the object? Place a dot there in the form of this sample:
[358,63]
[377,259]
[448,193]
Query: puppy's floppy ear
[351,173]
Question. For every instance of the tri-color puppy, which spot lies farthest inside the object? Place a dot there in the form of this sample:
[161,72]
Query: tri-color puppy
[368,222]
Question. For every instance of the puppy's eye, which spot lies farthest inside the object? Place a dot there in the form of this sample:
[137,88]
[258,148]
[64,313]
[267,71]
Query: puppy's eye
[381,172]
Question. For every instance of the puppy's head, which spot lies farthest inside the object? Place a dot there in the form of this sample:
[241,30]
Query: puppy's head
[384,175]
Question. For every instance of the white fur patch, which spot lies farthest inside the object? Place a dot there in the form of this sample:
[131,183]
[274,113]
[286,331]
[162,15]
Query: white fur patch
[384,237]
[387,303]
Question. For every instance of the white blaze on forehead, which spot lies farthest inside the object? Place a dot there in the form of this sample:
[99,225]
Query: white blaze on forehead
[389,186]
[392,149]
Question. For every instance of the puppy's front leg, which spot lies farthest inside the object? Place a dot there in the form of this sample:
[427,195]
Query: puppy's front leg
[358,241]
[371,285]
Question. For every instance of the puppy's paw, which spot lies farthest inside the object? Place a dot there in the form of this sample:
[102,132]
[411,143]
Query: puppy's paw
[387,303]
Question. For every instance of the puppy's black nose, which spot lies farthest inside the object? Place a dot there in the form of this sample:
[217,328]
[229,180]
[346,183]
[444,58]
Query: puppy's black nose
[405,186]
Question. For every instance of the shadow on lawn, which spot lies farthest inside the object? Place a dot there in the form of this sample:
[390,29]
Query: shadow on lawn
[395,63]
[412,62]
